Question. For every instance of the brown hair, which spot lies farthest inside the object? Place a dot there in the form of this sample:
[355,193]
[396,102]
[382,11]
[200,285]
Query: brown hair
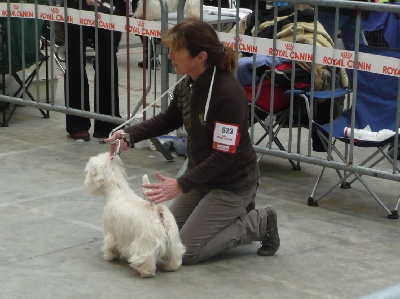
[197,36]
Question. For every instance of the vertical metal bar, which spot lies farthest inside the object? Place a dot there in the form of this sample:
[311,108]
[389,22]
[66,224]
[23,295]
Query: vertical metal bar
[354,104]
[219,16]
[253,75]
[82,48]
[128,8]
[113,62]
[237,27]
[396,136]
[201,9]
[22,20]
[9,52]
[37,42]
[155,75]
[148,75]
[145,60]
[334,69]
[96,60]
[66,73]
[272,94]
[51,55]
[292,82]
[312,87]
[164,56]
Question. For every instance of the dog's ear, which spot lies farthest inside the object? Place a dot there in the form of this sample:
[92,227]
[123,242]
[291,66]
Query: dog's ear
[94,180]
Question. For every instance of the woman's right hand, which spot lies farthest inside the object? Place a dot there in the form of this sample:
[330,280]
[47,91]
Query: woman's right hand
[115,141]
[116,135]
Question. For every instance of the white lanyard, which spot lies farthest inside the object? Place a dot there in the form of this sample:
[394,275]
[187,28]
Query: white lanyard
[209,94]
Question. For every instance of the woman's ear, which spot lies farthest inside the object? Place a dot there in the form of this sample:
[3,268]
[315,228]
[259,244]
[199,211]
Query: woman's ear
[202,56]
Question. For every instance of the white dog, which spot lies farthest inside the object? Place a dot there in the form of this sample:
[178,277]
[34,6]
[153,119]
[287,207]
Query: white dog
[134,228]
[153,9]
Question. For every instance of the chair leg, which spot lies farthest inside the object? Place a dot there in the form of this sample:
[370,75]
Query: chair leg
[346,185]
[282,148]
[6,119]
[25,88]
[395,214]
[275,139]
[311,201]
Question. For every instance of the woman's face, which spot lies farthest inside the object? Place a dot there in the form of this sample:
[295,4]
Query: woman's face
[184,63]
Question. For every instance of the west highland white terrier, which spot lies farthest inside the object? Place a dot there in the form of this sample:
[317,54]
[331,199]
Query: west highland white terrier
[135,228]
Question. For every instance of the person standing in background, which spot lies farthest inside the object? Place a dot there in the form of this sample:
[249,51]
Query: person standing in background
[78,126]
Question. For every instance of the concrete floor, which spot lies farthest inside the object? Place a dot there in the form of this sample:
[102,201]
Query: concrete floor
[51,229]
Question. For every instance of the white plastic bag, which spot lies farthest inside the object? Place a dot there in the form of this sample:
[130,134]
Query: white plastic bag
[367,135]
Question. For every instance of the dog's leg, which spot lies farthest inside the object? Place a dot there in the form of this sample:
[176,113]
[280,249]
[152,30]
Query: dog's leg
[147,266]
[143,254]
[172,262]
[110,251]
[173,256]
[175,249]
[147,269]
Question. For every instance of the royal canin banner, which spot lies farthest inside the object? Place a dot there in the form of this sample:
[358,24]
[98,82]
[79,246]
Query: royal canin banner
[301,52]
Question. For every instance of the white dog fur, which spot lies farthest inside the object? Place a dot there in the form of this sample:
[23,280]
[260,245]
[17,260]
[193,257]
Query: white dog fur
[153,9]
[134,227]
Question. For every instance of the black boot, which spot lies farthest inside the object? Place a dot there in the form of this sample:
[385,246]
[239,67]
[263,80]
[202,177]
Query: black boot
[271,242]
[154,62]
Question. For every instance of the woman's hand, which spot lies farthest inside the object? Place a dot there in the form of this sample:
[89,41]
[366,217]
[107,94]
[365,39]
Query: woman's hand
[166,190]
[115,141]
[116,135]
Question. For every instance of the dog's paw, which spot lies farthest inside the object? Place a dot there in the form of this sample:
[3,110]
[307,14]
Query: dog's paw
[110,256]
[170,267]
[145,274]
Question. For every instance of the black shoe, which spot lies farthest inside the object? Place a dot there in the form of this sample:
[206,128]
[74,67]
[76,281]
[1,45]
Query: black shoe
[271,242]
[81,135]
[154,62]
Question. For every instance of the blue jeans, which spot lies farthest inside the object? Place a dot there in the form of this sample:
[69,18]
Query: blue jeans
[347,25]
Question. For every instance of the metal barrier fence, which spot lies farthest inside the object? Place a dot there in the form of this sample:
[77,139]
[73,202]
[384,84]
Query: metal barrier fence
[311,54]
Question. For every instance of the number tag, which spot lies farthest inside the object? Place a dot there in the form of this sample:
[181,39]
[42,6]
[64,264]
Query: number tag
[226,137]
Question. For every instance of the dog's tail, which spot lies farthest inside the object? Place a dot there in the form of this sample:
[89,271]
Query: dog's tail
[145,180]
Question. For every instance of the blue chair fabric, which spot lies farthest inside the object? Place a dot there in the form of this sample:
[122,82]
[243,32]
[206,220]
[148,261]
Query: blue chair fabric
[376,107]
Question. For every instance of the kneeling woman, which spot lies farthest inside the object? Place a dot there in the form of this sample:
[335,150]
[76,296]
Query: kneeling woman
[213,201]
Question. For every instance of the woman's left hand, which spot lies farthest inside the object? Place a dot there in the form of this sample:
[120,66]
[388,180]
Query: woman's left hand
[166,190]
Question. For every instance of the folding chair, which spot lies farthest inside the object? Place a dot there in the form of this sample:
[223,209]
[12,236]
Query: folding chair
[21,34]
[281,109]
[376,107]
